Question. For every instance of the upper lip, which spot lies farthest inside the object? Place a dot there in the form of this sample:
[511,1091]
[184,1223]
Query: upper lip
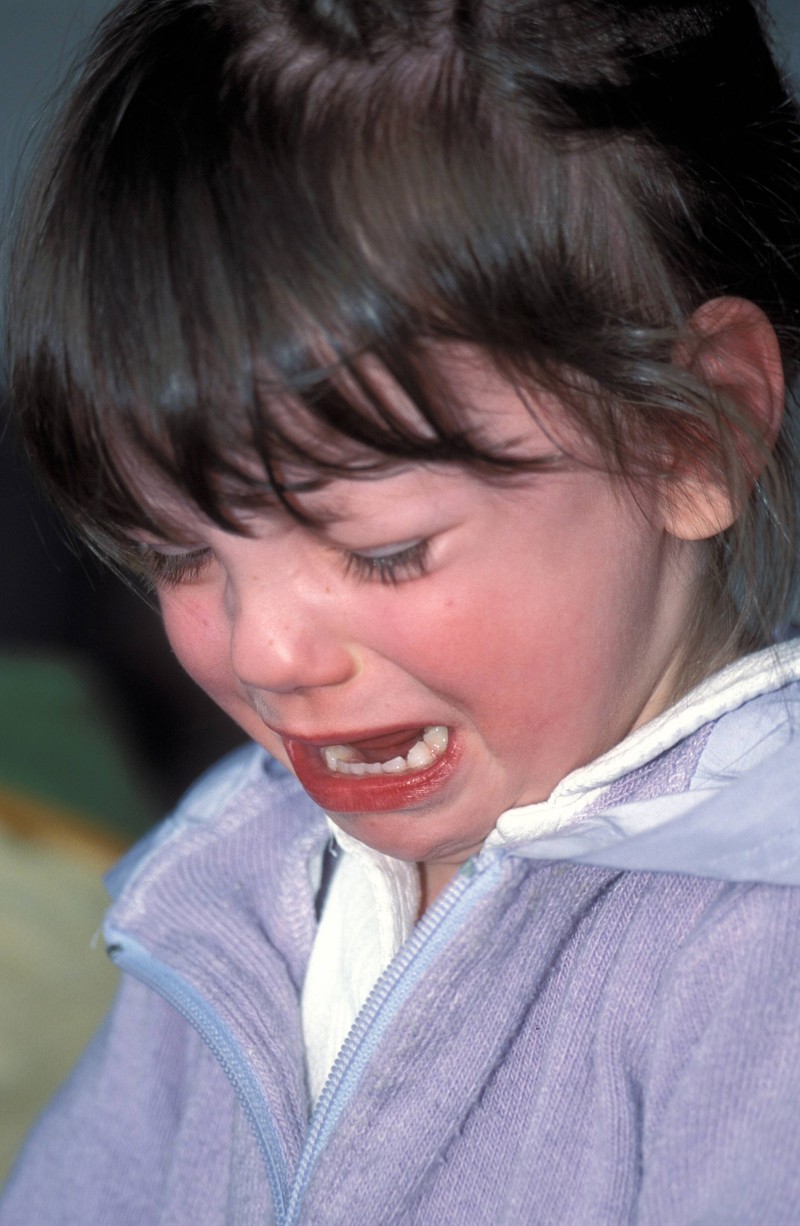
[354,736]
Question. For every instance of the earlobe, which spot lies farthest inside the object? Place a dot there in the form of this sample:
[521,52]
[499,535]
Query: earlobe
[733,349]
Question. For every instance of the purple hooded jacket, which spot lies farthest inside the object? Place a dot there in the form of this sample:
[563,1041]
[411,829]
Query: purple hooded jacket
[588,1032]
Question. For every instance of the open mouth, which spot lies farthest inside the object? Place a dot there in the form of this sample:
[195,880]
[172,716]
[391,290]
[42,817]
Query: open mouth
[396,753]
[389,770]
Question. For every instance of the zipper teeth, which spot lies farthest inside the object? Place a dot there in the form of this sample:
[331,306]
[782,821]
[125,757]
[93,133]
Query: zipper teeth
[257,1124]
[130,961]
[424,931]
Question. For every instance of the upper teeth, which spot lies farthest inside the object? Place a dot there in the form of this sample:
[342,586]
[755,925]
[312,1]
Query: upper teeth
[344,760]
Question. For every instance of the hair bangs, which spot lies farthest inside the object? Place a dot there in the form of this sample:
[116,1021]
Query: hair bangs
[220,254]
[256,226]
[209,294]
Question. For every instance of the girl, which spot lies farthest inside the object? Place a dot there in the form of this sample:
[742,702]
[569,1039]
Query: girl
[428,361]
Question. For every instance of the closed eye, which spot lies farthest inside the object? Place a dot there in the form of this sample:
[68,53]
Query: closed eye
[389,564]
[163,566]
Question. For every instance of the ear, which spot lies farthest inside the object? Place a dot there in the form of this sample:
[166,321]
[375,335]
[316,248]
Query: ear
[733,348]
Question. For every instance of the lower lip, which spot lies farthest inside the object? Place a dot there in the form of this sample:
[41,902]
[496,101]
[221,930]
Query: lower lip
[368,793]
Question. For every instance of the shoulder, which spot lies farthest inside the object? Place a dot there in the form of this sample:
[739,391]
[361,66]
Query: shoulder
[740,739]
[244,781]
[208,794]
[723,1069]
[742,950]
[108,1149]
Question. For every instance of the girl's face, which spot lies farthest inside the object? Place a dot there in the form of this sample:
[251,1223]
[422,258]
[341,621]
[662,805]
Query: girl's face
[502,634]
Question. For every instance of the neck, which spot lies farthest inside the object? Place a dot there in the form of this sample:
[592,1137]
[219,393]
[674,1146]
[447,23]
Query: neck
[433,879]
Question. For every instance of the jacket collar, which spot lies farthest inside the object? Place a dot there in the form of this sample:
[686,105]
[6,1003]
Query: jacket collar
[708,788]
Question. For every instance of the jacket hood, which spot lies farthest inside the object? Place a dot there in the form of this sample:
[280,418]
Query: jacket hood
[749,830]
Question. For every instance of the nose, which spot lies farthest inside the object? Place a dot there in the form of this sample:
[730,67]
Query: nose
[288,643]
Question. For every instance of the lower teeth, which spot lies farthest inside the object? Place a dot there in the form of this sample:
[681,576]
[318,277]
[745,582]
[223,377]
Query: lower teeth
[343,760]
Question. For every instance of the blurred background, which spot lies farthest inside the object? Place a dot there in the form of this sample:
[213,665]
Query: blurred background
[100,731]
[54,606]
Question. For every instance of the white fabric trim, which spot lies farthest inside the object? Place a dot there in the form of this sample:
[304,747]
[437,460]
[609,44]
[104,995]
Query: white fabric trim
[371,908]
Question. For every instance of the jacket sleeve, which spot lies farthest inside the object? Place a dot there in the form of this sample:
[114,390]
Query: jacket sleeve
[719,1128]
[108,1151]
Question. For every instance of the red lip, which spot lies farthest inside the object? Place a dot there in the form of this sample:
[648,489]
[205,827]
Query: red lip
[366,793]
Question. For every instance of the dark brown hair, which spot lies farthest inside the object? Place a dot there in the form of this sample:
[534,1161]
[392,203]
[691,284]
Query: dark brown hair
[244,199]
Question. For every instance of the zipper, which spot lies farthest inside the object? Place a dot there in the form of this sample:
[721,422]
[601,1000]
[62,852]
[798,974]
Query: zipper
[475,880]
[134,959]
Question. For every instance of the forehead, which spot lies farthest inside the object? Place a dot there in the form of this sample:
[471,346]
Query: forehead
[515,422]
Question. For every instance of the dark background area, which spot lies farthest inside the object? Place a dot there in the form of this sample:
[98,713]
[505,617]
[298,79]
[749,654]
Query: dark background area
[52,601]
[57,604]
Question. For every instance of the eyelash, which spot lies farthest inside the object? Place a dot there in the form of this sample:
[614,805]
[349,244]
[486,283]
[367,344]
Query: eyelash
[410,562]
[172,569]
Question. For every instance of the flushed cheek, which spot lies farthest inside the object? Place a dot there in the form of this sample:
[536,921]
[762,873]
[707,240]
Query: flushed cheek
[473,641]
[197,638]
[535,678]
[201,642]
